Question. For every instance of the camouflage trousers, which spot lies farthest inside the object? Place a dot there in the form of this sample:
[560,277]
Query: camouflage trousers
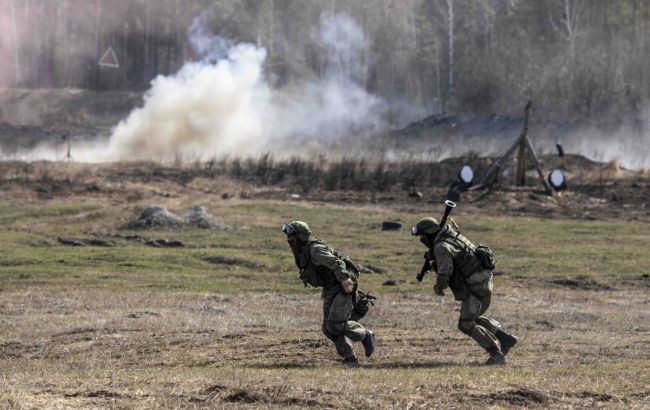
[472,322]
[338,325]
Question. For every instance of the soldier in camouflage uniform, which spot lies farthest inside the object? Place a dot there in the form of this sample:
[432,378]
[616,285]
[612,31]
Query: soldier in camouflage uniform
[322,266]
[458,267]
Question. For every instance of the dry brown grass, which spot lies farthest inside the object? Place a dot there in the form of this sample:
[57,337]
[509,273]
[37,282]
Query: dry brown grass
[138,327]
[93,348]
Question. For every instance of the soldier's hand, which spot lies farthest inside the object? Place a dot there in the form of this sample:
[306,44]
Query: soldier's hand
[347,285]
[438,290]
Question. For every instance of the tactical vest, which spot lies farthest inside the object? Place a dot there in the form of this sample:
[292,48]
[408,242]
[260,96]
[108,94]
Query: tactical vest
[317,275]
[466,263]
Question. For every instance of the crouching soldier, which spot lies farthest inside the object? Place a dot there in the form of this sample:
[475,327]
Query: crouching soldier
[467,270]
[324,267]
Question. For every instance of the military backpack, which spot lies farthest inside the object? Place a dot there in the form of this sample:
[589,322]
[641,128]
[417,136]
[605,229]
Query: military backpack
[318,276]
[471,258]
[485,255]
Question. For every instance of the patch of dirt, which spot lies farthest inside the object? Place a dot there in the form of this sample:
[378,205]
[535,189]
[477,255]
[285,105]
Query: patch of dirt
[243,396]
[96,393]
[642,280]
[85,242]
[292,401]
[372,269]
[543,325]
[594,396]
[580,284]
[225,261]
[316,343]
[18,262]
[514,397]
[138,315]
[165,243]
[16,349]
[76,331]
[215,388]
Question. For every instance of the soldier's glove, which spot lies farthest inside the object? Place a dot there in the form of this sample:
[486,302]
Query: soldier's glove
[438,289]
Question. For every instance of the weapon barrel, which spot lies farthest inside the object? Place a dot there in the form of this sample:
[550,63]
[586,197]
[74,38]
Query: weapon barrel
[449,205]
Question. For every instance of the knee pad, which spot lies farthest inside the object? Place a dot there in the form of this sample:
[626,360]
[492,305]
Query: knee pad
[466,326]
[335,328]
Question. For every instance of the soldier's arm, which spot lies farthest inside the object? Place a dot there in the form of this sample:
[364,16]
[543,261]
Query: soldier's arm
[320,255]
[444,254]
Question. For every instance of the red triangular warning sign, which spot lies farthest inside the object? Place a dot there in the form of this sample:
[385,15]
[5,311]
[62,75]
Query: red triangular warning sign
[109,59]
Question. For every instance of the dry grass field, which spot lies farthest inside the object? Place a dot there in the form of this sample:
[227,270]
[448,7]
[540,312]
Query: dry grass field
[223,321]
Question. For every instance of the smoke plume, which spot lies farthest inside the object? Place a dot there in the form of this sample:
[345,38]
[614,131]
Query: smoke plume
[223,104]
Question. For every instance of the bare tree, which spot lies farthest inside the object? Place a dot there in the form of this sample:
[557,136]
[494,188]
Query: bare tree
[14,32]
[569,22]
[445,16]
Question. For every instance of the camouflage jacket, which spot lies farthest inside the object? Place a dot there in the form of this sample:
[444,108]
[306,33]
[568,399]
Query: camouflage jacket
[456,263]
[323,267]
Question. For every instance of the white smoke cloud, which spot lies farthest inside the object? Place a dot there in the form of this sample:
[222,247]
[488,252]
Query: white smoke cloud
[205,109]
[223,105]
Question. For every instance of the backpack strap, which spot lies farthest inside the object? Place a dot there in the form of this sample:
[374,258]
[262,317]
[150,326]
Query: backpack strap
[466,262]
[350,266]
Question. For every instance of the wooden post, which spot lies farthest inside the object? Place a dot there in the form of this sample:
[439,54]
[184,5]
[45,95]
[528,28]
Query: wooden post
[538,167]
[497,165]
[521,164]
[524,145]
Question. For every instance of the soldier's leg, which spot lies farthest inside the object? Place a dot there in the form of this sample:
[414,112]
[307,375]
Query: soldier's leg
[483,293]
[506,340]
[470,310]
[327,303]
[343,346]
[338,324]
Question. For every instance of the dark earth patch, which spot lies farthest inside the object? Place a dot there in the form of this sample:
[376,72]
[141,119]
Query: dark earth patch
[96,393]
[242,396]
[580,283]
[234,262]
[516,397]
[215,388]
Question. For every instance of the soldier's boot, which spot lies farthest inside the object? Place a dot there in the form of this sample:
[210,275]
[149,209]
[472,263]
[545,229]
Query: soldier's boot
[496,357]
[507,341]
[351,361]
[369,343]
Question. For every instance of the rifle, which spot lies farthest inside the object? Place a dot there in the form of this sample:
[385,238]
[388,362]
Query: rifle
[426,267]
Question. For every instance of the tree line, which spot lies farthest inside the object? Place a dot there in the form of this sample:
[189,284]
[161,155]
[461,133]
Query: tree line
[583,57]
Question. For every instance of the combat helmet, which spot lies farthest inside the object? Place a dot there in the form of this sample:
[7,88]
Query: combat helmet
[297,228]
[426,226]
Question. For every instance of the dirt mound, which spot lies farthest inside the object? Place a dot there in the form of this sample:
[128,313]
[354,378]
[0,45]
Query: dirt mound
[200,218]
[159,217]
[156,217]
